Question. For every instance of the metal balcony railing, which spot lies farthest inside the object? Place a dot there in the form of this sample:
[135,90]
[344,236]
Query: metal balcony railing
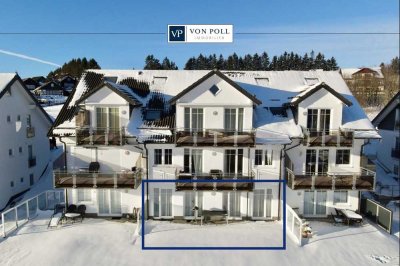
[100,136]
[362,180]
[215,180]
[336,138]
[122,179]
[214,137]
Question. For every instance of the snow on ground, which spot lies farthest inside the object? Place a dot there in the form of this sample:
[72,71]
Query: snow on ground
[105,242]
[394,205]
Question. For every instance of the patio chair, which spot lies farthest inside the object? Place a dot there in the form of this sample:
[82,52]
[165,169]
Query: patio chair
[94,167]
[72,208]
[337,220]
[82,211]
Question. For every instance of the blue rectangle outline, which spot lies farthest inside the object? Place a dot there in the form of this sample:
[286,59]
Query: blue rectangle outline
[215,248]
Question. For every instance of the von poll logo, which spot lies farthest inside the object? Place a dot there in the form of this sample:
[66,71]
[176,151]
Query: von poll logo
[200,33]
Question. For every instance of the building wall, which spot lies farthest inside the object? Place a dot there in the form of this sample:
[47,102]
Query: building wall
[384,151]
[13,136]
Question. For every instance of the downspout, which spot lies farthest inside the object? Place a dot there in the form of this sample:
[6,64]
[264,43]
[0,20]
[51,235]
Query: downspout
[147,184]
[359,192]
[65,152]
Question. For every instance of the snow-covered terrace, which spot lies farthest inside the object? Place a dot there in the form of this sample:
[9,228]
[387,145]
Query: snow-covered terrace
[107,242]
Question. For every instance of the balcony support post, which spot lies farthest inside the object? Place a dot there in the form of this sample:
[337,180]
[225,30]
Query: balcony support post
[73,180]
[115,177]
[235,136]
[194,139]
[338,138]
[95,175]
[333,182]
[107,132]
[91,136]
[215,139]
[313,182]
[354,182]
[121,136]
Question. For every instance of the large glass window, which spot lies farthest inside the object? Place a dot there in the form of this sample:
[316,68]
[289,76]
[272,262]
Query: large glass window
[230,158]
[268,157]
[258,157]
[312,120]
[197,119]
[101,117]
[113,118]
[107,118]
[325,120]
[168,156]
[84,195]
[230,119]
[158,156]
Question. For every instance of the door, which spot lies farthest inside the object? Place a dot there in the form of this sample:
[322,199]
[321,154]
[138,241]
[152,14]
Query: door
[311,162]
[189,203]
[258,203]
[234,204]
[325,121]
[315,203]
[162,205]
[323,156]
[317,162]
[268,204]
[230,165]
[109,202]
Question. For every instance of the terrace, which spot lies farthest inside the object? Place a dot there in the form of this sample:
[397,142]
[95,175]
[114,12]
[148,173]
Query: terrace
[100,136]
[214,181]
[362,180]
[330,138]
[84,179]
[215,137]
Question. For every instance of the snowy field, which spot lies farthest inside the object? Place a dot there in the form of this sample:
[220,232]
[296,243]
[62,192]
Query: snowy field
[101,242]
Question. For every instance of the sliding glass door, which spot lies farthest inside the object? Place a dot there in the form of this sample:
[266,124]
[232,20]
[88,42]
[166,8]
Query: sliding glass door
[315,203]
[109,202]
[192,199]
[162,206]
[317,162]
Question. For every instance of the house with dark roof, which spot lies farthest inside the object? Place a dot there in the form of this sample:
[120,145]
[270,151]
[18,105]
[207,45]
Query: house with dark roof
[24,145]
[388,124]
[49,88]
[31,84]
[213,133]
[67,82]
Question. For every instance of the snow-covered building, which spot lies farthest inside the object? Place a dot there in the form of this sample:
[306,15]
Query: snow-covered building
[388,124]
[24,145]
[123,125]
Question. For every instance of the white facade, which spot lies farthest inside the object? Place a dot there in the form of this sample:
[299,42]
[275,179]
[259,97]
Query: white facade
[220,127]
[24,145]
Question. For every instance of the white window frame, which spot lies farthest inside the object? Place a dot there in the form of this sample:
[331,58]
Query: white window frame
[340,197]
[87,193]
[343,164]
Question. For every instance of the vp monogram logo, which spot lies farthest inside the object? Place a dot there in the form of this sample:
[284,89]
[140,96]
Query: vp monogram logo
[176,33]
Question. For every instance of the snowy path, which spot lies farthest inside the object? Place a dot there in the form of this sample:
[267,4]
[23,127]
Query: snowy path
[101,242]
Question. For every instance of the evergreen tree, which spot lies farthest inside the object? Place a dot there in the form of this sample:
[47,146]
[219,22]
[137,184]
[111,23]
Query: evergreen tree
[265,64]
[152,63]
[74,67]
[168,65]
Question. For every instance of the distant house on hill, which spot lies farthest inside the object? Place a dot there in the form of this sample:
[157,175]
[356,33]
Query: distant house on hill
[67,82]
[49,88]
[40,79]
[30,83]
[366,84]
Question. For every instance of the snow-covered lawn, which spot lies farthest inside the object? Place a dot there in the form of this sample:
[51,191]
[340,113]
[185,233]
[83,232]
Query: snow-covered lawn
[102,242]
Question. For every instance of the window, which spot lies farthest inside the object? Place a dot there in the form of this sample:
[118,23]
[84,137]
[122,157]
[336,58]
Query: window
[168,156]
[84,195]
[8,119]
[10,152]
[268,157]
[30,152]
[18,118]
[31,180]
[340,197]
[322,124]
[12,184]
[107,118]
[20,149]
[258,157]
[22,180]
[158,156]
[233,117]
[342,156]
[193,119]
[214,89]
[312,119]
[262,81]
[193,161]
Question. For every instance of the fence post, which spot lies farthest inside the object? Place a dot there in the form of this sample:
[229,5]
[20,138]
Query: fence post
[27,210]
[4,225]
[16,217]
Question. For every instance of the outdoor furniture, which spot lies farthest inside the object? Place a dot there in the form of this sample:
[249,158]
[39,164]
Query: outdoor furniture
[82,211]
[58,216]
[215,215]
[352,217]
[337,219]
[215,173]
[72,208]
[94,167]
[72,216]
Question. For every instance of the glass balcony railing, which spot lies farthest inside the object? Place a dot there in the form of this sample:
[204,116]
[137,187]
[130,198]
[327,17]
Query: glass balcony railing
[100,136]
[336,138]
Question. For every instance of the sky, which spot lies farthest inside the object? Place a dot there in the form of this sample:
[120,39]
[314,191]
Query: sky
[37,54]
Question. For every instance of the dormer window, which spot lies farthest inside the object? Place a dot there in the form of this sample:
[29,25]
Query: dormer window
[262,81]
[152,115]
[159,80]
[318,120]
[311,81]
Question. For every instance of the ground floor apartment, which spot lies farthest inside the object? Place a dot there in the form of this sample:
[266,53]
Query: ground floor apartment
[163,201]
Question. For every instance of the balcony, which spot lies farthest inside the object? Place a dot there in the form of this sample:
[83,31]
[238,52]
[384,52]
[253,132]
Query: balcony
[30,132]
[331,138]
[214,181]
[396,153]
[123,179]
[31,162]
[100,136]
[362,180]
[215,137]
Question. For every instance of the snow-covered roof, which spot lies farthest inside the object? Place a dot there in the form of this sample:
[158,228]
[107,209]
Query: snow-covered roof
[5,79]
[277,90]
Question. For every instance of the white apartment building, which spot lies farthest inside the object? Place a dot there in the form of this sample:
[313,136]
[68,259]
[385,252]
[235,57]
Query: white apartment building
[24,145]
[204,129]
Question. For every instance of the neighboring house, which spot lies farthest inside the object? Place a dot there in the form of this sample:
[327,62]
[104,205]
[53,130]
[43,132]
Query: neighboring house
[366,84]
[24,145]
[67,82]
[31,84]
[388,124]
[40,79]
[303,126]
[49,88]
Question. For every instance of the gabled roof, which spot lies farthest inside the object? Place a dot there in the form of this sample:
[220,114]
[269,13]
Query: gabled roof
[313,89]
[222,76]
[16,78]
[48,86]
[118,89]
[392,104]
